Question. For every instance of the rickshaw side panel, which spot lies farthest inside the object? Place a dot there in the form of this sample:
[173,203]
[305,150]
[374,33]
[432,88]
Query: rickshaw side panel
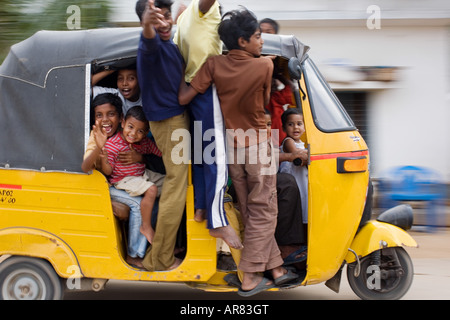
[74,208]
[40,244]
[335,200]
[335,203]
[44,210]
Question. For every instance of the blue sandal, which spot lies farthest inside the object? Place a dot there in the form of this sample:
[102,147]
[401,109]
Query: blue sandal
[262,286]
[291,259]
[286,278]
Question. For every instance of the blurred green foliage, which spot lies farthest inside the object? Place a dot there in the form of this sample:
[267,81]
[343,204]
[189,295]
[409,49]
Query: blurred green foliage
[19,19]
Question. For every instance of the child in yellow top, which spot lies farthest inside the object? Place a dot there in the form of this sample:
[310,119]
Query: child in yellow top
[197,39]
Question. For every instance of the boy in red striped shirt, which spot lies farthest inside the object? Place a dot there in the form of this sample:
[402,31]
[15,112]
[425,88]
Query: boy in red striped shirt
[134,178]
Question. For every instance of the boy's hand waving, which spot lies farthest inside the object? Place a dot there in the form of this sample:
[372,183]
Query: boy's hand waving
[152,17]
[99,134]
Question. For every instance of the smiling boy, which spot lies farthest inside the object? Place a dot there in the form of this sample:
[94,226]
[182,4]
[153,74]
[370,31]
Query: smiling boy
[134,178]
[107,115]
[127,86]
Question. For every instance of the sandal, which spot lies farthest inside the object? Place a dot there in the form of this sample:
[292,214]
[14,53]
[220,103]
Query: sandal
[299,255]
[262,286]
[285,278]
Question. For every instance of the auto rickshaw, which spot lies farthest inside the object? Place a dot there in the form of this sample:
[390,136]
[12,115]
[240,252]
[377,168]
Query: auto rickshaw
[57,224]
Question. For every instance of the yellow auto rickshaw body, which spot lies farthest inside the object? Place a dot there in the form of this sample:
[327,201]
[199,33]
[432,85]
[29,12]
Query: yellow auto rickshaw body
[65,217]
[377,235]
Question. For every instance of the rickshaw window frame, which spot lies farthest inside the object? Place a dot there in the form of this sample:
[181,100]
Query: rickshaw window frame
[88,90]
[332,95]
[87,104]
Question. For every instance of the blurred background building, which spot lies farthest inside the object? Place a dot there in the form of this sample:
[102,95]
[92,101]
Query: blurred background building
[387,61]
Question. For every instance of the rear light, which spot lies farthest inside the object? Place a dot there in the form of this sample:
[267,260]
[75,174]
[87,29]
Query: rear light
[352,164]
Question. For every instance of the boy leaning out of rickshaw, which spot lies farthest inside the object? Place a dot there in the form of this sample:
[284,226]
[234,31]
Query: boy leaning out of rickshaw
[107,114]
[127,89]
[129,92]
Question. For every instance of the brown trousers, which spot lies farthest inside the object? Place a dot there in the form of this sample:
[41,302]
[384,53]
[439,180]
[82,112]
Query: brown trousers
[257,198]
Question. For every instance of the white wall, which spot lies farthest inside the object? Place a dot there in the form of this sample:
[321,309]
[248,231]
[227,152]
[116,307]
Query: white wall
[409,123]
[295,10]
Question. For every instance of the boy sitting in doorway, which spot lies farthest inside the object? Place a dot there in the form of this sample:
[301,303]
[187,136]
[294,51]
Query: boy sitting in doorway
[134,178]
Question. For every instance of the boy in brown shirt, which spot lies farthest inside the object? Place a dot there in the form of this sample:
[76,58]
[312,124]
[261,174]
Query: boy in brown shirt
[243,81]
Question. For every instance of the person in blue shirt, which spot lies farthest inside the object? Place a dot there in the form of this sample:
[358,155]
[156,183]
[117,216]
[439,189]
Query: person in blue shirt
[160,70]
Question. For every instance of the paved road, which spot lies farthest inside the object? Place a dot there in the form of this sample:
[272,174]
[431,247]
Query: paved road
[431,281]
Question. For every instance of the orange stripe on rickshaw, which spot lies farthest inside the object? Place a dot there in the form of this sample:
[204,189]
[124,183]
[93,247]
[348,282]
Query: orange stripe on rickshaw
[10,186]
[342,154]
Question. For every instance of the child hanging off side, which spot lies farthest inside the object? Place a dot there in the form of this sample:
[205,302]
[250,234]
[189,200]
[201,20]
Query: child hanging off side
[294,126]
[134,178]
[197,39]
[243,79]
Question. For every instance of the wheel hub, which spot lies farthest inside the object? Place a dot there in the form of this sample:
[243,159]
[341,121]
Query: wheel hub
[24,285]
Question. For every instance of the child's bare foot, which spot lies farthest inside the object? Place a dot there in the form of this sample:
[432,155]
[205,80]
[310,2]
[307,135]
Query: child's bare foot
[228,235]
[148,232]
[282,275]
[253,284]
[251,280]
[199,215]
[135,262]
[178,250]
[175,264]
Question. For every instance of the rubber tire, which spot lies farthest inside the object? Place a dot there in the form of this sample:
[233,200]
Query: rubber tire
[35,273]
[359,284]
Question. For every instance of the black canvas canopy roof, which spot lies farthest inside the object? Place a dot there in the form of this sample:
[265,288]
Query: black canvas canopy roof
[32,59]
[45,92]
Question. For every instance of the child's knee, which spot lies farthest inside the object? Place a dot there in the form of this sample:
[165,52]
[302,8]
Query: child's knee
[151,192]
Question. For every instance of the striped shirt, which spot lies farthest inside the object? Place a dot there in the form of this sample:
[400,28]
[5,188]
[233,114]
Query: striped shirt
[117,144]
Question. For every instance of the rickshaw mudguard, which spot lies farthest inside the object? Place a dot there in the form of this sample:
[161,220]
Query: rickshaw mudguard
[376,235]
[21,241]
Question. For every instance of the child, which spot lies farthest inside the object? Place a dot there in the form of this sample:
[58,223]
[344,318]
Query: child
[243,80]
[134,178]
[160,69]
[280,99]
[290,232]
[127,87]
[268,25]
[129,92]
[197,39]
[294,127]
[107,114]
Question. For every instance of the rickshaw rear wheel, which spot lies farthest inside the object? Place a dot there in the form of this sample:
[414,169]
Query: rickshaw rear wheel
[24,278]
[385,274]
